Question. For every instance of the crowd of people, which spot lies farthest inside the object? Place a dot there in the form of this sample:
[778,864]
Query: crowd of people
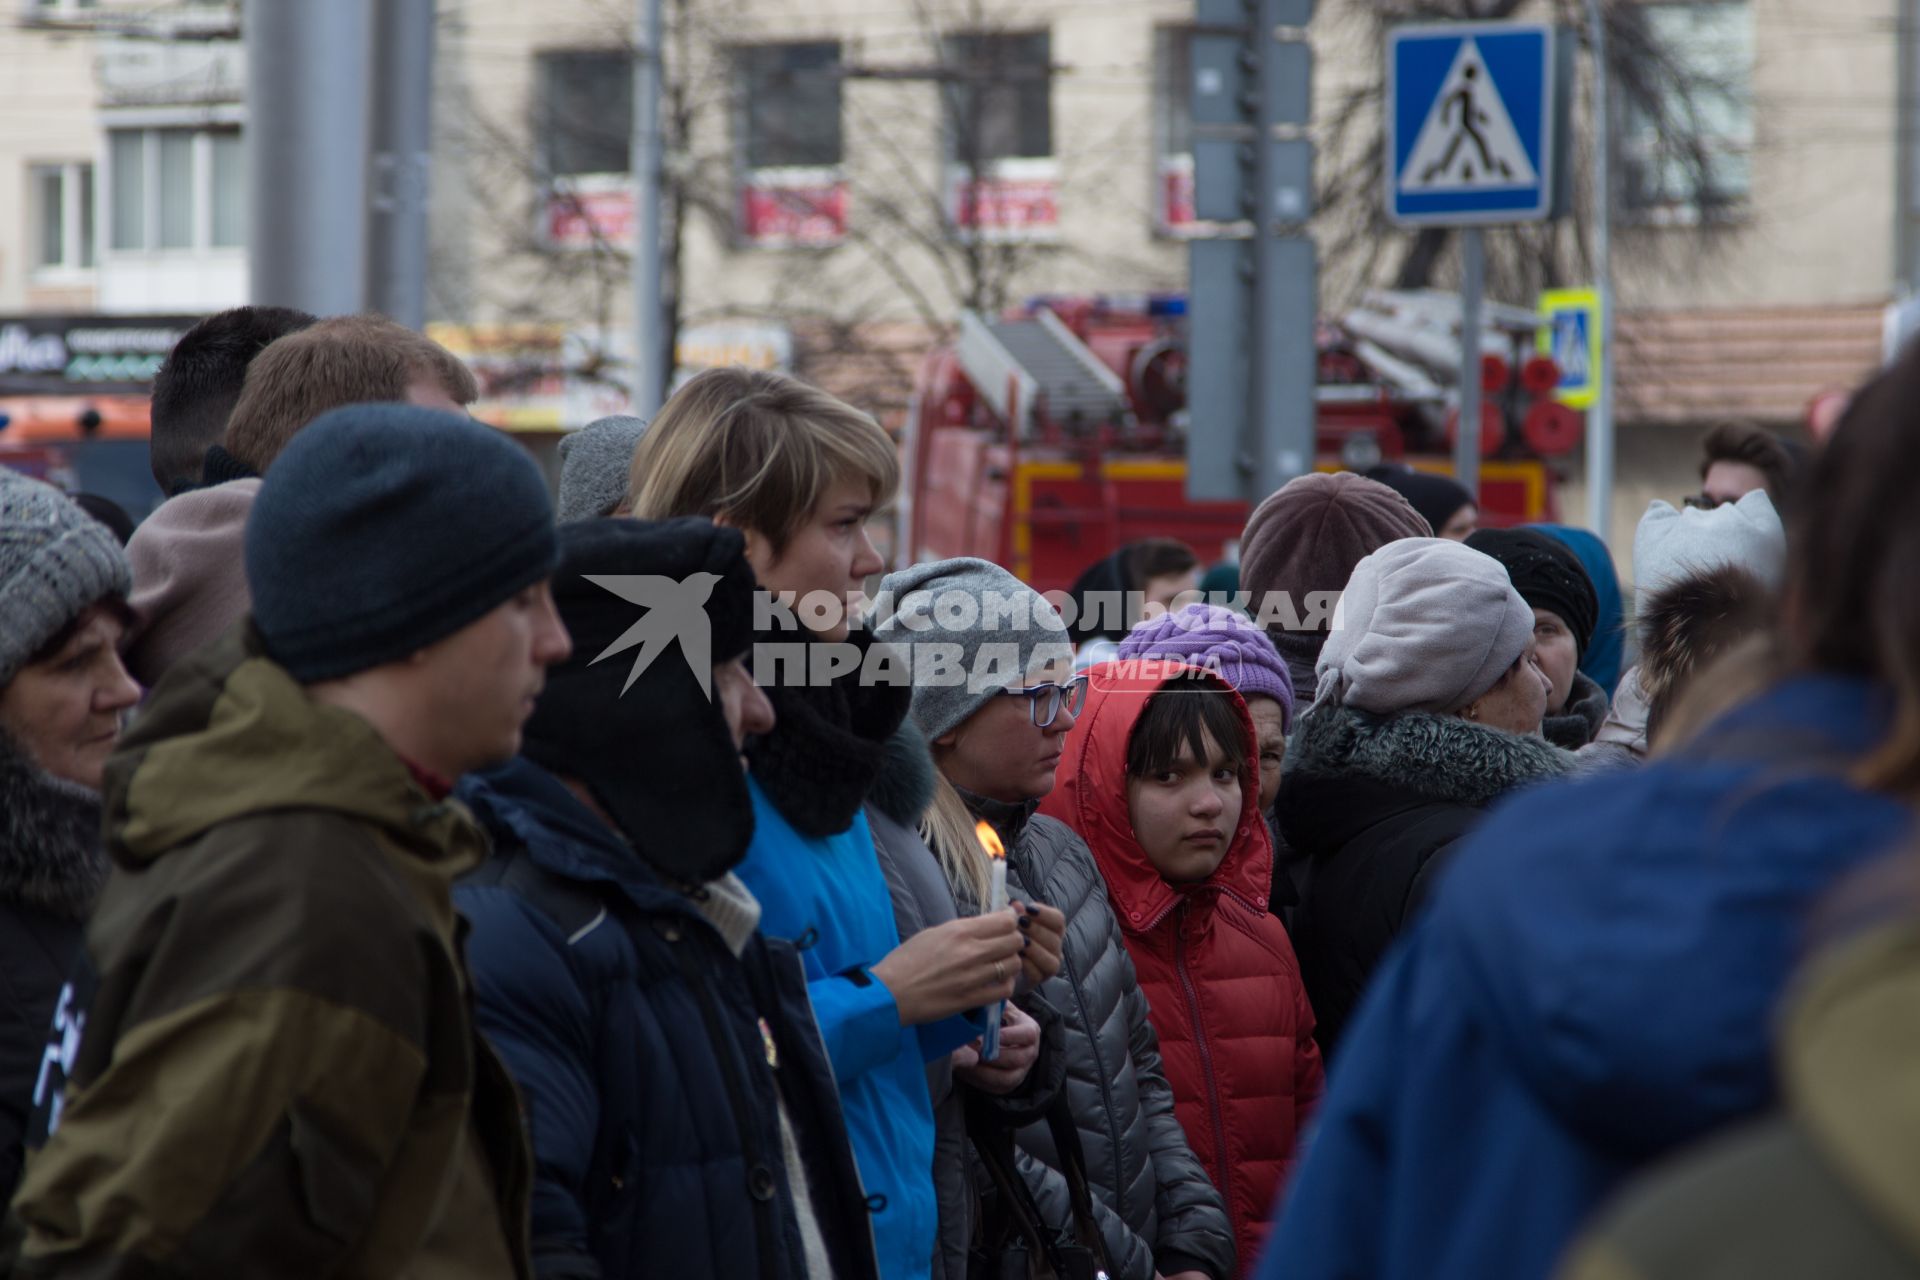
[404,873]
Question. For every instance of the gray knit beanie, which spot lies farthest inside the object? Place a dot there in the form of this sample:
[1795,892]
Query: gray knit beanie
[1425,624]
[594,465]
[55,560]
[971,629]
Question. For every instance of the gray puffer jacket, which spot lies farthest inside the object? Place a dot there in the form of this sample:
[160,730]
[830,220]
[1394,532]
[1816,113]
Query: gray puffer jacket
[1156,1207]
[922,900]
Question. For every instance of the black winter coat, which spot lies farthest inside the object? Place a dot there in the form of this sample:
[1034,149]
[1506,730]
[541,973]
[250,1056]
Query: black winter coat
[1376,802]
[52,863]
[650,1057]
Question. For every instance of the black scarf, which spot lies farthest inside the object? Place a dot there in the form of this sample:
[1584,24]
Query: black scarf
[828,744]
[52,857]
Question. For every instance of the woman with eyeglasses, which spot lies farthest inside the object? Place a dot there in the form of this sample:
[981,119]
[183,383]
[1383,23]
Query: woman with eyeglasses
[998,717]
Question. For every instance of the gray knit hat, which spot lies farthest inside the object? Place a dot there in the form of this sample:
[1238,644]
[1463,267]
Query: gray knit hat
[1425,624]
[594,464]
[971,629]
[55,560]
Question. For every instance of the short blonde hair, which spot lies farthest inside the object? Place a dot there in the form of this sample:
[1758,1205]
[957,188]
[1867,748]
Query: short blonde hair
[758,448]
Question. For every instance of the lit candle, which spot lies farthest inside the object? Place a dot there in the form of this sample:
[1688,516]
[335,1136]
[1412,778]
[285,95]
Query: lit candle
[996,901]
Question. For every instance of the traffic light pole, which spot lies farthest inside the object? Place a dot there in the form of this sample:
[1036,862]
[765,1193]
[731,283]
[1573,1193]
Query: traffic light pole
[402,143]
[1600,451]
[307,150]
[649,318]
[1253,361]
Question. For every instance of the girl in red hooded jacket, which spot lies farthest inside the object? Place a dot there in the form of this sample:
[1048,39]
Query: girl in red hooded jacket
[1160,779]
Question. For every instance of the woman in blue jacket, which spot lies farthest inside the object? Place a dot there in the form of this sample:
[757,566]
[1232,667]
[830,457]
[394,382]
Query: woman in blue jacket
[800,473]
[1594,984]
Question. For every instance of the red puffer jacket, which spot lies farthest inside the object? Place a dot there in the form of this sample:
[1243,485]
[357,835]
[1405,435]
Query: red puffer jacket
[1235,1028]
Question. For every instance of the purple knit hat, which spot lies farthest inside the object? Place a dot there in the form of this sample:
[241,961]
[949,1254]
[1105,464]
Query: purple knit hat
[1220,639]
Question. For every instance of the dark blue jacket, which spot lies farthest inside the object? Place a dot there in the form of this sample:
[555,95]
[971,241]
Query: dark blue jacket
[1592,987]
[646,1053]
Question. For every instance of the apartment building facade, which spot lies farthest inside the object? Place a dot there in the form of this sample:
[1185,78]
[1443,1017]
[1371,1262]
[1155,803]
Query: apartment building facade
[847,175]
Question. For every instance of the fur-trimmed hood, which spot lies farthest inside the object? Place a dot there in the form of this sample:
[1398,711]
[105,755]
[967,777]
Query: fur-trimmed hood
[903,789]
[1433,757]
[52,856]
[1580,723]
[1690,623]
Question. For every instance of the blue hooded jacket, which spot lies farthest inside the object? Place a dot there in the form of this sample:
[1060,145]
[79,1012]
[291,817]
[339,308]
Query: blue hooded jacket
[829,896]
[1591,988]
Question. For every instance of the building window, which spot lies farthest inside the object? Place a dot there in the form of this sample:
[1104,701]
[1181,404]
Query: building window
[1173,128]
[1687,156]
[790,96]
[176,189]
[585,123]
[792,192]
[62,196]
[999,100]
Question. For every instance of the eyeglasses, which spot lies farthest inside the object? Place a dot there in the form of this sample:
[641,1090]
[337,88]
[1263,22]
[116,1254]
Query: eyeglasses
[1045,700]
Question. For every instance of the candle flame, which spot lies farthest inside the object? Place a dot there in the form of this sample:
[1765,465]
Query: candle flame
[989,840]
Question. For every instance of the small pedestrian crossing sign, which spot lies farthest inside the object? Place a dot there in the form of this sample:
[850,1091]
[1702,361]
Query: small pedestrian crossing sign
[1471,123]
[1571,336]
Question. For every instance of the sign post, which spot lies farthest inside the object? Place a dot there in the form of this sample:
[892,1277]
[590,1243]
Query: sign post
[1475,116]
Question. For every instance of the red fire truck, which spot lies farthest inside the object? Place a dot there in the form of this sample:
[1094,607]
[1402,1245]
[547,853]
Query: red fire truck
[1046,437]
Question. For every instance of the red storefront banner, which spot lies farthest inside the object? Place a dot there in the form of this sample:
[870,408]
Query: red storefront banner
[1176,194]
[1020,200]
[779,209]
[582,212]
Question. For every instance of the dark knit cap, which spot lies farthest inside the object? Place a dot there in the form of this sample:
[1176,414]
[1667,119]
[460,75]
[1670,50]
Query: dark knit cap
[1307,536]
[658,756]
[385,527]
[1547,574]
[1436,498]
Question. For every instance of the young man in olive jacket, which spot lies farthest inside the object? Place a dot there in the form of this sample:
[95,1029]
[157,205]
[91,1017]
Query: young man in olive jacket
[269,1064]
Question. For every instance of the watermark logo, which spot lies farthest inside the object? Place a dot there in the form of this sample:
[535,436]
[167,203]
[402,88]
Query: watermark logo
[983,641]
[676,612]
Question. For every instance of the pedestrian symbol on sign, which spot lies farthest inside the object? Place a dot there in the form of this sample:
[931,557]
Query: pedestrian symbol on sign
[1468,142]
[1570,345]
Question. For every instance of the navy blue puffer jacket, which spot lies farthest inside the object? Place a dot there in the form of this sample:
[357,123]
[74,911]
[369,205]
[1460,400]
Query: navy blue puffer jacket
[650,1058]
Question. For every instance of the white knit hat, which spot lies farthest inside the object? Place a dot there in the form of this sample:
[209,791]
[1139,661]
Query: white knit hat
[1425,624]
[1671,546]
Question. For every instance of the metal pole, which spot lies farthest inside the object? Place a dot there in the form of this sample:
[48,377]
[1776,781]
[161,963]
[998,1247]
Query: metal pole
[307,153]
[1466,441]
[650,377]
[1600,420]
[402,141]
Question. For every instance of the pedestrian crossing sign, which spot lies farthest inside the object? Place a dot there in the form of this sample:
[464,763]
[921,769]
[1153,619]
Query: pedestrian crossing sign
[1472,119]
[1571,336]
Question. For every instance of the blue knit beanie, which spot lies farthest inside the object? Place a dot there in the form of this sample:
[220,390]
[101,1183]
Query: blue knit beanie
[385,527]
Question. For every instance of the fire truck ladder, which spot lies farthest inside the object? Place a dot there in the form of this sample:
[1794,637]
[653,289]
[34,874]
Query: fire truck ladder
[1033,368]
